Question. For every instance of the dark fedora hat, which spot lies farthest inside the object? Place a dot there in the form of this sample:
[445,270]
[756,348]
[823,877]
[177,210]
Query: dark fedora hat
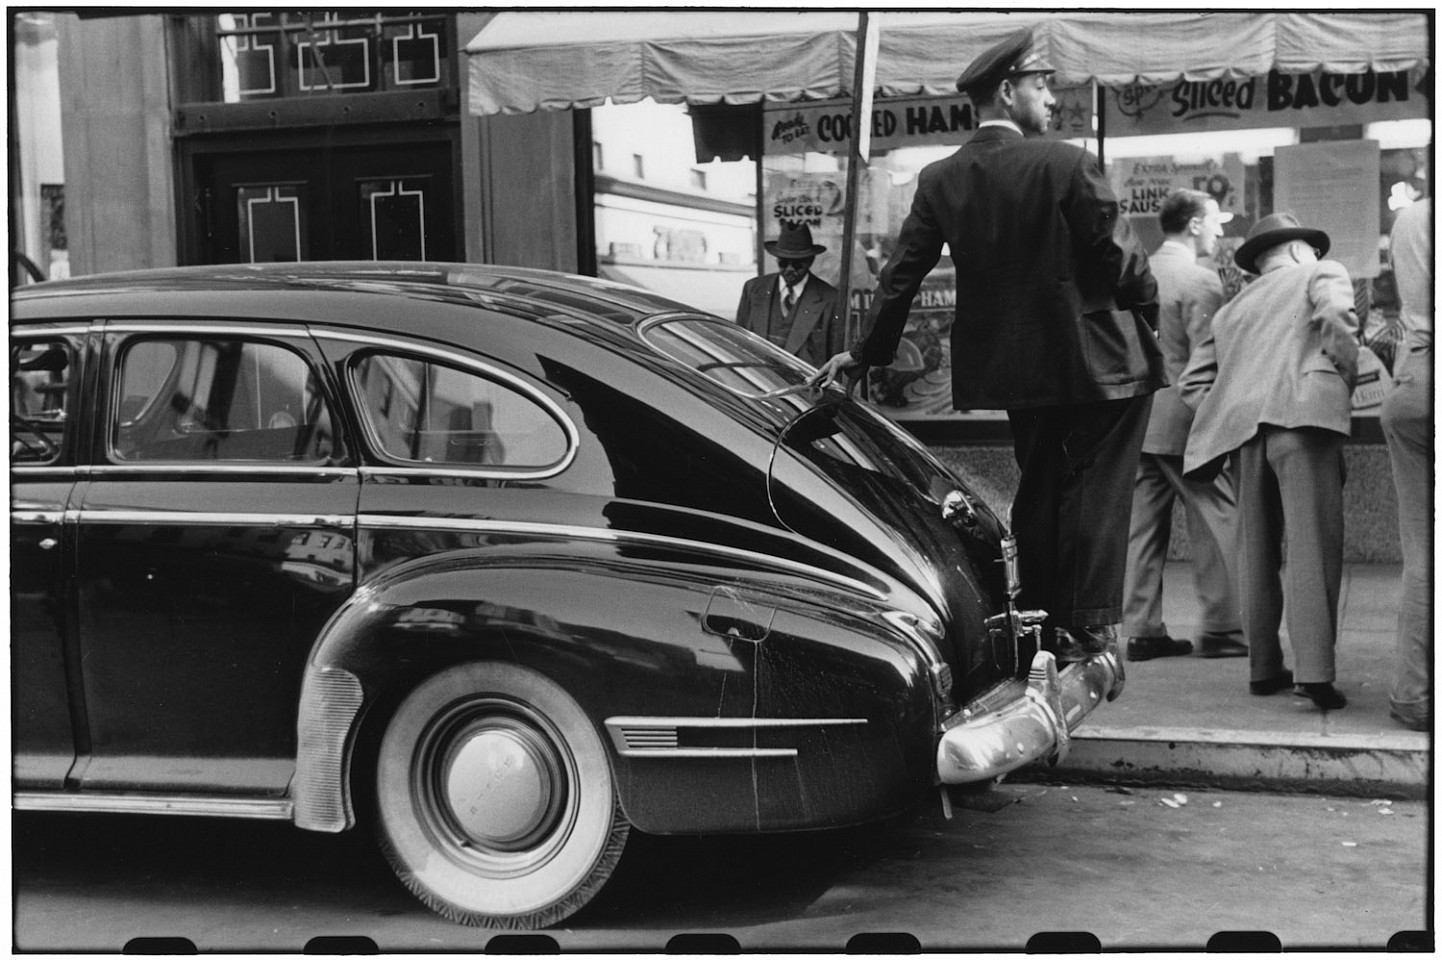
[1012,56]
[1273,229]
[794,243]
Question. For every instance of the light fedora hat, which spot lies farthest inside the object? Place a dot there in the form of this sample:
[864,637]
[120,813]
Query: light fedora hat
[1273,229]
[794,243]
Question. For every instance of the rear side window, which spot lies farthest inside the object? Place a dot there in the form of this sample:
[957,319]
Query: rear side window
[425,412]
[728,354]
[40,372]
[208,399]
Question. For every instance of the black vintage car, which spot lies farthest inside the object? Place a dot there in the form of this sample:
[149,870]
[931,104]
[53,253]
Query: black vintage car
[503,564]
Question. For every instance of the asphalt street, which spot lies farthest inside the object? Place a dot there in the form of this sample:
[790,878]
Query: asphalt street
[1137,868]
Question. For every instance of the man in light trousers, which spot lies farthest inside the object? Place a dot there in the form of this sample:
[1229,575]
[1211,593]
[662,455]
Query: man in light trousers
[1407,425]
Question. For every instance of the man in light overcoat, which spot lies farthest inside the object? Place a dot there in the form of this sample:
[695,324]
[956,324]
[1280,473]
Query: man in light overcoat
[1273,386]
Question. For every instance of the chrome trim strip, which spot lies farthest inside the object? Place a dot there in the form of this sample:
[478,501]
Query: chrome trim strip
[717,723]
[705,753]
[573,436]
[207,329]
[37,516]
[263,469]
[44,470]
[31,332]
[463,472]
[468,525]
[176,805]
[215,519]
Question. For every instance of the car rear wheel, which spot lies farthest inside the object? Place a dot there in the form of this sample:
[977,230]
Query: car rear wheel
[496,802]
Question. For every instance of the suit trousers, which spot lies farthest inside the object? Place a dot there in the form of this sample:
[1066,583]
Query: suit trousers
[1073,502]
[1289,482]
[1211,511]
[1407,426]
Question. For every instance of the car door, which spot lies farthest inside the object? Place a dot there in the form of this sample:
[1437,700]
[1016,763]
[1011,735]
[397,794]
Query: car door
[46,366]
[214,541]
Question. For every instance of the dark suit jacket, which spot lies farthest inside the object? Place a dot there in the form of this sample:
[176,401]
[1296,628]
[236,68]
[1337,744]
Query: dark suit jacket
[1189,295]
[1055,303]
[815,310]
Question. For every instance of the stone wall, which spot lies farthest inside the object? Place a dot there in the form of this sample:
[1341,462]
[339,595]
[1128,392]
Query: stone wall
[1369,499]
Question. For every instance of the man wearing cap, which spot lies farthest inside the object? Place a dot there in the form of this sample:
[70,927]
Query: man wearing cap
[793,308]
[1189,294]
[1272,387]
[1055,312]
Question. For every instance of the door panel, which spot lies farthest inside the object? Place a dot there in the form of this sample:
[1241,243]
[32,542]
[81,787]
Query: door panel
[214,542]
[45,378]
[379,202]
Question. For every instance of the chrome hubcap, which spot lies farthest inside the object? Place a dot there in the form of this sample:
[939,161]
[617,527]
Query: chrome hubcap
[501,784]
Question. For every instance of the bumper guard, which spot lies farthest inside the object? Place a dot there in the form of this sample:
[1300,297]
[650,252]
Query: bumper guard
[1036,727]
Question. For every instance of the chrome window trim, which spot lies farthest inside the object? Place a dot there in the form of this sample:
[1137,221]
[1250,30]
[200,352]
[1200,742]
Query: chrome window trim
[469,525]
[221,466]
[573,436]
[28,332]
[177,517]
[188,326]
[172,804]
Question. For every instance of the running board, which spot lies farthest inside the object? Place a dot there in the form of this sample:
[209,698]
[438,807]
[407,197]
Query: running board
[175,805]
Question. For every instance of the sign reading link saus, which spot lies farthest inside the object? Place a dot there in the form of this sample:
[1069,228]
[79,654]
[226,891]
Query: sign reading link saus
[904,122]
[1276,100]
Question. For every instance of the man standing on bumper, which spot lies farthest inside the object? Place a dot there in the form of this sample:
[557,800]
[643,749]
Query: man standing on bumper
[1055,319]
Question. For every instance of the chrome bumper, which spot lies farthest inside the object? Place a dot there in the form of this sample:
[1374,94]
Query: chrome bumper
[1036,727]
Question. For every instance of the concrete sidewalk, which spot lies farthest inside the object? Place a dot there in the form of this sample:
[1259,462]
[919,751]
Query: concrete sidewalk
[1186,720]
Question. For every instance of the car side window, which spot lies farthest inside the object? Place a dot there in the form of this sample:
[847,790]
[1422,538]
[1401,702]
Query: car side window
[426,412]
[39,379]
[211,399]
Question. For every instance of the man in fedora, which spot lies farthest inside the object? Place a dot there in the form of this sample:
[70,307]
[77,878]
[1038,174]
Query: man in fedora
[793,308]
[1272,387]
[1054,323]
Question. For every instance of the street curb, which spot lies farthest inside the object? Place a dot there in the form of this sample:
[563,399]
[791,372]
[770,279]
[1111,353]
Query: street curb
[1377,765]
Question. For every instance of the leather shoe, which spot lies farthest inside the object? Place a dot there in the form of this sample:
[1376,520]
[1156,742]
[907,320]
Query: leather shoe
[1411,723]
[1265,688]
[1075,644]
[1148,648]
[1222,645]
[1323,695]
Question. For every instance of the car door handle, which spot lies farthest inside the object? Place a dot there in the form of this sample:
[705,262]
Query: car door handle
[49,543]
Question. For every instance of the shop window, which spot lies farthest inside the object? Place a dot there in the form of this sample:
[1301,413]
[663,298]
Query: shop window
[678,228]
[268,55]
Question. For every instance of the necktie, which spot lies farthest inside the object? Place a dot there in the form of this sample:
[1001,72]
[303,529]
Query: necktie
[789,301]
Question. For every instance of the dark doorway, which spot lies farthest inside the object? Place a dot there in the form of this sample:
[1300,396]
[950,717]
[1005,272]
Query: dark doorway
[260,203]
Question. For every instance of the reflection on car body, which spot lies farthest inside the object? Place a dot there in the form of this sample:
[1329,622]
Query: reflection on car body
[502,564]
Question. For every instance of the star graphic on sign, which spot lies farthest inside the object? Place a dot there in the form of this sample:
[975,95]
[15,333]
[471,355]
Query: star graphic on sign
[1076,113]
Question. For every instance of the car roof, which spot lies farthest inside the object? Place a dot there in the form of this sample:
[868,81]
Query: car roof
[519,291]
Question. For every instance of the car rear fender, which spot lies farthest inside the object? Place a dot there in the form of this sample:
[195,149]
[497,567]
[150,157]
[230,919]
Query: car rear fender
[627,630]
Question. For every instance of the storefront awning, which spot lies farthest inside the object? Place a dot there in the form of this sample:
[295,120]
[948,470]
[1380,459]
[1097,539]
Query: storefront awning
[524,61]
